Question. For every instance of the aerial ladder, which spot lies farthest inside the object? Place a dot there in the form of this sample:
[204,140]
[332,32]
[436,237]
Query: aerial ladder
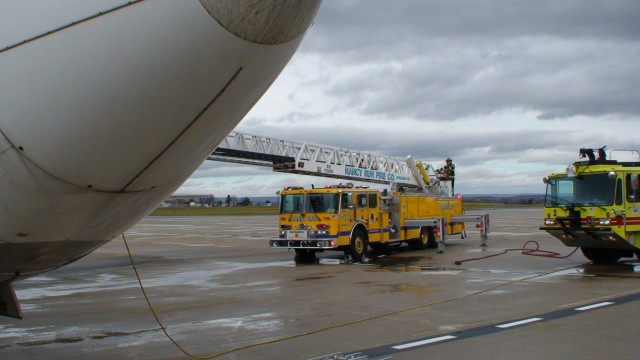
[418,205]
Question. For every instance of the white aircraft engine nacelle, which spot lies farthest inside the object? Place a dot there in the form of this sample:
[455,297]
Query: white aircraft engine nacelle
[107,107]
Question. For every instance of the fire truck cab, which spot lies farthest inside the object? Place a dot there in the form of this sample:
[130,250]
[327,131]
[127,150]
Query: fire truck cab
[595,205]
[336,217]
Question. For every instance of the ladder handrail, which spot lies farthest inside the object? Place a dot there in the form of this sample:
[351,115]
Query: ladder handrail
[319,160]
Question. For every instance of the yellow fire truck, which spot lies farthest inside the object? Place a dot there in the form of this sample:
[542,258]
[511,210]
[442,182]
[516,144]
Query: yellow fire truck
[595,205]
[350,219]
[418,207]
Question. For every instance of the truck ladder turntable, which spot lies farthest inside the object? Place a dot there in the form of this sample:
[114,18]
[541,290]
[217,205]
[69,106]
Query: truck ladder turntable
[305,158]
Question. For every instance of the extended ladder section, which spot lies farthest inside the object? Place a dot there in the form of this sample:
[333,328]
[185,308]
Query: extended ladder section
[322,160]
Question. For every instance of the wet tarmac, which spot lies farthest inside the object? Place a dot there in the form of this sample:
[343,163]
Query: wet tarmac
[221,292]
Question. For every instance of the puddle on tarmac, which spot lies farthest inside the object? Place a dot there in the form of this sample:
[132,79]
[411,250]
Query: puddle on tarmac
[53,341]
[570,272]
[387,264]
[320,262]
[410,264]
[404,288]
[75,339]
[262,322]
[109,334]
[331,261]
[424,269]
[630,269]
[314,278]
[618,270]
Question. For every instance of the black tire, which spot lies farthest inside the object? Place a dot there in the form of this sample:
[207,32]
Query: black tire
[427,240]
[601,256]
[305,256]
[358,245]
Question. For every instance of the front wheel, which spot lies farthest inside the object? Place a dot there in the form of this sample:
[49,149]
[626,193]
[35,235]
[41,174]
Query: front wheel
[358,246]
[601,256]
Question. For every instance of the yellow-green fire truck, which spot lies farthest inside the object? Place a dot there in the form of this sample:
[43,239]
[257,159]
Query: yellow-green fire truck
[595,205]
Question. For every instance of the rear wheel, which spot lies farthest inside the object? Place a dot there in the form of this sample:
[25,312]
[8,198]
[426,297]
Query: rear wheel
[358,246]
[601,256]
[427,240]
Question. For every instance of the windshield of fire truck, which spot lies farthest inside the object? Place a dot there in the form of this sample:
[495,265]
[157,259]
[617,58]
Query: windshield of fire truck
[309,203]
[586,190]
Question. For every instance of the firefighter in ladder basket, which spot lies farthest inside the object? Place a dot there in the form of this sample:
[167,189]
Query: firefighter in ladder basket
[448,172]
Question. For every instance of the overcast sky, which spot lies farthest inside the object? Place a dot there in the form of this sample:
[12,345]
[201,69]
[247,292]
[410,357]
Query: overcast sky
[509,89]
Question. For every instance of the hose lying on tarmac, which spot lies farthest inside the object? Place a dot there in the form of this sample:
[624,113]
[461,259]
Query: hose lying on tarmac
[524,250]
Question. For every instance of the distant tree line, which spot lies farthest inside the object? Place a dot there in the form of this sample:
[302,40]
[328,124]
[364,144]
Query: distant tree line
[210,201]
[233,201]
[507,199]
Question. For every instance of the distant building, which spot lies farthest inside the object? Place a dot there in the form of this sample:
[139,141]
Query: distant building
[190,200]
[199,200]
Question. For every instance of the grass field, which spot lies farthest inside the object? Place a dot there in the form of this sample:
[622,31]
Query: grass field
[470,206]
[273,210]
[216,211]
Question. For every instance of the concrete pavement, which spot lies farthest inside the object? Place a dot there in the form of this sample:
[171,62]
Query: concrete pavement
[219,289]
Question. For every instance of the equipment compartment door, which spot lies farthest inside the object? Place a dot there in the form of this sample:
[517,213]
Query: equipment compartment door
[375,220]
[362,209]
[632,208]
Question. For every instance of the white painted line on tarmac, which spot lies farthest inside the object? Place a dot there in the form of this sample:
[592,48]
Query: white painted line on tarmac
[516,323]
[424,342]
[594,306]
[442,272]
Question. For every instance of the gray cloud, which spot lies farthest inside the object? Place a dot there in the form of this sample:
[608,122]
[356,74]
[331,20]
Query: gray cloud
[360,23]
[509,90]
[446,60]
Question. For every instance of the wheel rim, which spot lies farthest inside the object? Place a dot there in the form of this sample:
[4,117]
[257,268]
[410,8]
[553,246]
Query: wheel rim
[358,245]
